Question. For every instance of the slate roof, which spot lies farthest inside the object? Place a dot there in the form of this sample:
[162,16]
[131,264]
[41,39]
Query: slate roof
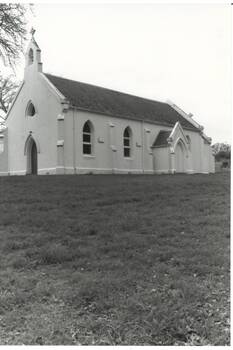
[114,103]
[161,139]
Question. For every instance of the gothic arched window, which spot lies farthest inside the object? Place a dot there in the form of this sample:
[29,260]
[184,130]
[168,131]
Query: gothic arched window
[127,142]
[1,143]
[87,138]
[189,141]
[30,56]
[30,110]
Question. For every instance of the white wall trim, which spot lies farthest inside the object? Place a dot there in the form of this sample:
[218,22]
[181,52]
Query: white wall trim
[184,114]
[17,172]
[179,139]
[60,143]
[31,136]
[42,171]
[82,170]
[145,121]
[47,171]
[161,172]
[60,117]
[178,126]
[78,170]
[55,91]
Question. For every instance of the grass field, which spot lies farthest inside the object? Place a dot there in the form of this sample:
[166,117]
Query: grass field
[118,260]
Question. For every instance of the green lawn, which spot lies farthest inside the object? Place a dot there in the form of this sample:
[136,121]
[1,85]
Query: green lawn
[118,260]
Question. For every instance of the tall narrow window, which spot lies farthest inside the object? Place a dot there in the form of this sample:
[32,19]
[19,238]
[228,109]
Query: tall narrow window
[87,138]
[127,142]
[189,141]
[30,56]
[1,143]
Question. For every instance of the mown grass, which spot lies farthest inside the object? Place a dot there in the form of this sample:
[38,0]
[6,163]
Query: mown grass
[115,260]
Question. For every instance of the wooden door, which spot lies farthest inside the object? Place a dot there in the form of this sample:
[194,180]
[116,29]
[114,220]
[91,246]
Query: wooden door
[34,159]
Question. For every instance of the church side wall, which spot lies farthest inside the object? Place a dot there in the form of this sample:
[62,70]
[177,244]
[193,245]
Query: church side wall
[108,155]
[42,127]
[108,146]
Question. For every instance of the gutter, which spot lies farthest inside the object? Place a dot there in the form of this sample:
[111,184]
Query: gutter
[132,118]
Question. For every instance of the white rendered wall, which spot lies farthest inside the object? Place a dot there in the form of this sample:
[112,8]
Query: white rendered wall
[108,155]
[108,144]
[161,160]
[58,134]
[42,126]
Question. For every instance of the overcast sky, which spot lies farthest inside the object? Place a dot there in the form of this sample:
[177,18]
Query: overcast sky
[177,52]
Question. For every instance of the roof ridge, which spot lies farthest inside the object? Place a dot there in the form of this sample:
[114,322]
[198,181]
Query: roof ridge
[107,89]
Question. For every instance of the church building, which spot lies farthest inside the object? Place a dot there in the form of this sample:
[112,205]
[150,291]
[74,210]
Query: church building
[61,126]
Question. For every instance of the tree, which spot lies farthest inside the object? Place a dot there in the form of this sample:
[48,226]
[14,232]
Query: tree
[12,37]
[222,153]
[12,31]
[221,146]
[8,88]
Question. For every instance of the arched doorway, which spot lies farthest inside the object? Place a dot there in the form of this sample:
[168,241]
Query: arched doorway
[33,158]
[32,166]
[180,158]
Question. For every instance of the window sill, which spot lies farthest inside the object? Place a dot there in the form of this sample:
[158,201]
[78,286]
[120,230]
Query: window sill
[88,156]
[31,116]
[128,158]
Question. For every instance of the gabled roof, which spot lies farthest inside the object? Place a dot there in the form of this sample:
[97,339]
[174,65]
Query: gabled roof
[161,139]
[34,41]
[118,104]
